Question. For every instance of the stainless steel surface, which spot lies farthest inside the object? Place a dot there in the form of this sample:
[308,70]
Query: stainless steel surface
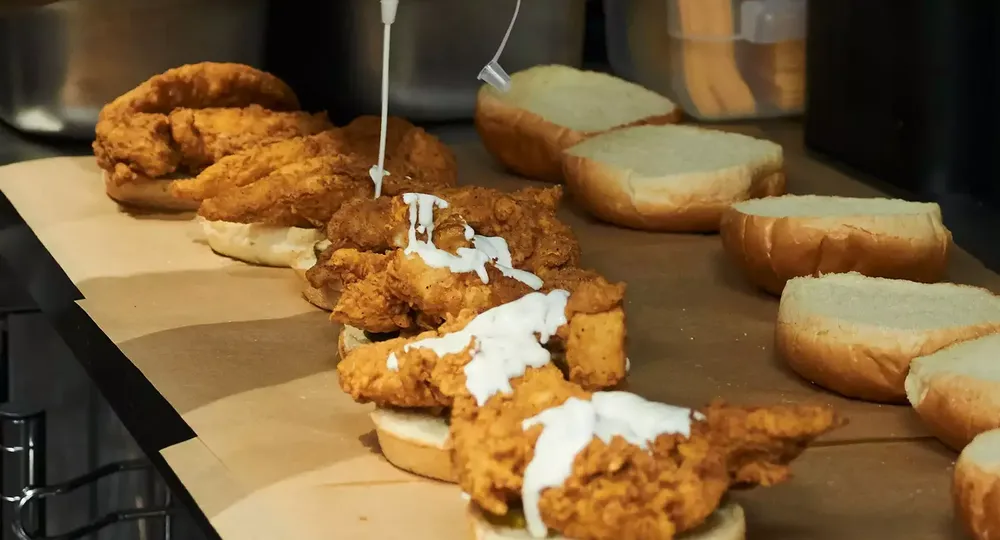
[60,63]
[439,47]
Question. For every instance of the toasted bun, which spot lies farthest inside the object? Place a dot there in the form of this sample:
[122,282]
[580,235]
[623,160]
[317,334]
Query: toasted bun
[415,441]
[778,238]
[670,178]
[349,339]
[152,194]
[857,335]
[550,108]
[726,523]
[976,488]
[956,391]
[261,244]
[325,298]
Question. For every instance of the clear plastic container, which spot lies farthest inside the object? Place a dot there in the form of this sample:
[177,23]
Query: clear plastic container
[717,59]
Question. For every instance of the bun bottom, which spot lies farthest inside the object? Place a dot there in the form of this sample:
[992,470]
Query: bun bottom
[415,441]
[976,486]
[727,523]
[153,194]
[325,299]
[282,247]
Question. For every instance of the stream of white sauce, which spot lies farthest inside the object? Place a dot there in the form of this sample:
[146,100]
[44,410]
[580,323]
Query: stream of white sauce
[378,172]
[506,341]
[486,249]
[570,427]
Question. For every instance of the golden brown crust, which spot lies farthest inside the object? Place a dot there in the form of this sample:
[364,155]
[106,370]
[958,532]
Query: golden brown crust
[772,250]
[608,195]
[528,144]
[842,360]
[147,194]
[956,408]
[976,496]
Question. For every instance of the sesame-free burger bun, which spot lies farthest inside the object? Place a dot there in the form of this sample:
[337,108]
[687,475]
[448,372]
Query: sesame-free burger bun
[413,440]
[265,245]
[956,391]
[670,178]
[149,194]
[777,238]
[856,335]
[976,486]
[550,108]
[726,523]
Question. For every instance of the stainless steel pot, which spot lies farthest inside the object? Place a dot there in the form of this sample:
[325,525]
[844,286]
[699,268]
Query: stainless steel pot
[438,48]
[61,62]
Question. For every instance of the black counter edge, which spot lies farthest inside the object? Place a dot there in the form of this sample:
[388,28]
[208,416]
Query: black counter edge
[147,416]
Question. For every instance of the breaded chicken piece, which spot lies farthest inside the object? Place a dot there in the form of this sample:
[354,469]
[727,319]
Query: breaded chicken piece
[525,218]
[249,166]
[204,136]
[141,142]
[207,84]
[305,193]
[595,360]
[617,489]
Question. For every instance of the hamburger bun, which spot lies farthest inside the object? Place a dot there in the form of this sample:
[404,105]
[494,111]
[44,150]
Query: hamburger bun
[775,239]
[670,178]
[976,486]
[956,391]
[857,335]
[148,194]
[414,440]
[266,245]
[550,108]
[726,523]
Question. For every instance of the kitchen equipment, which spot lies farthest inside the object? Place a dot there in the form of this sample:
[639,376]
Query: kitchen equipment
[718,59]
[438,49]
[61,62]
[909,93]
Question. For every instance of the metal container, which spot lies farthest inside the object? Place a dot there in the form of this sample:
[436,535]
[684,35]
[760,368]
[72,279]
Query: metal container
[61,62]
[438,48]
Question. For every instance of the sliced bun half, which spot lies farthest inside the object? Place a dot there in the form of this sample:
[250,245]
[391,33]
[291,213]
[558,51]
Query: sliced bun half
[976,488]
[550,108]
[857,335]
[671,178]
[260,244]
[414,440]
[956,391]
[778,238]
[149,194]
[728,522]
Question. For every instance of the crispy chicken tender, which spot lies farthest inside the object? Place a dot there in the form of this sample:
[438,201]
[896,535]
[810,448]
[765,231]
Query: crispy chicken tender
[204,136]
[616,489]
[525,218]
[305,193]
[595,360]
[246,167]
[414,158]
[207,84]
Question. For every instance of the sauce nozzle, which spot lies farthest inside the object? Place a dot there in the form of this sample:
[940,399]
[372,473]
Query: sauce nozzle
[493,74]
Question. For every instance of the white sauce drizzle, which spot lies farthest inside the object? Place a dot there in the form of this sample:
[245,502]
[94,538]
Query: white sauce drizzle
[505,342]
[486,249]
[570,427]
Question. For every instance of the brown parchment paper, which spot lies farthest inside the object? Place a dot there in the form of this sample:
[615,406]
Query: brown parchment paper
[249,365]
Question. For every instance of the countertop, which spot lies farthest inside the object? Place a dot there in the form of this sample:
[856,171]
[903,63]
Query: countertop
[156,424]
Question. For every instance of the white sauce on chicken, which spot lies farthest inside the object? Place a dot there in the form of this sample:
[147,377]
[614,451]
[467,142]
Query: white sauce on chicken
[505,341]
[570,427]
[485,250]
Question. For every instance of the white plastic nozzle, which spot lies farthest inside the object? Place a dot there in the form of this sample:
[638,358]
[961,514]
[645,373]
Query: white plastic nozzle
[493,74]
[389,11]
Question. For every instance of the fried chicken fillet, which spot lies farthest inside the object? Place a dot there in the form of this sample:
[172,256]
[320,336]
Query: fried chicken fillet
[594,359]
[525,218]
[411,152]
[617,489]
[308,192]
